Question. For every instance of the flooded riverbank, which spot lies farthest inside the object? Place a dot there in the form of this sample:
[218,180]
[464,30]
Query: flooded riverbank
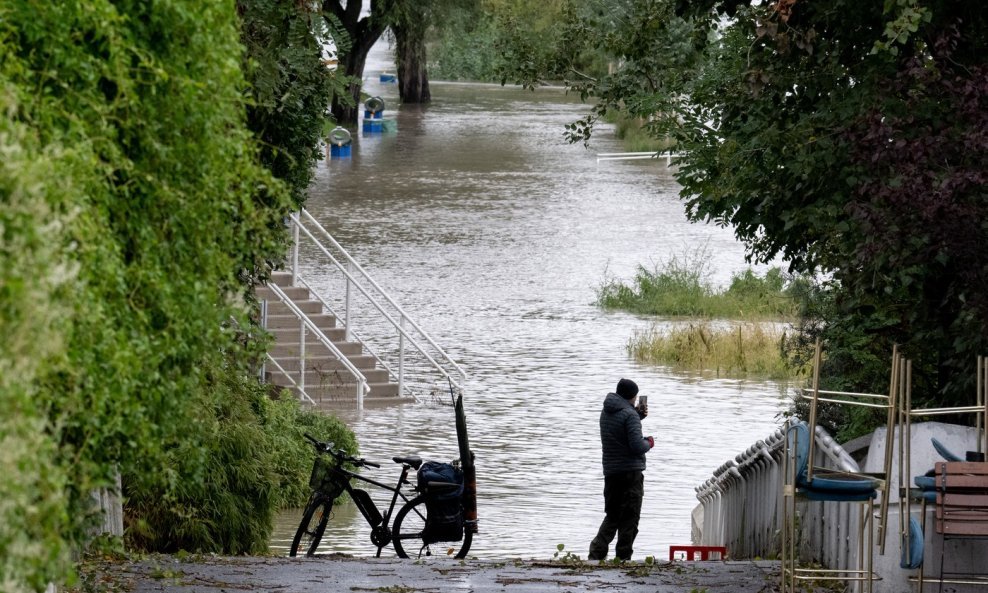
[493,233]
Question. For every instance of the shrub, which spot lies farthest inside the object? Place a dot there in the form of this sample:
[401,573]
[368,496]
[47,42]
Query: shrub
[681,287]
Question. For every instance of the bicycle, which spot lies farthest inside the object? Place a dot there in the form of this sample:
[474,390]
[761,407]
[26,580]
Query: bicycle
[330,479]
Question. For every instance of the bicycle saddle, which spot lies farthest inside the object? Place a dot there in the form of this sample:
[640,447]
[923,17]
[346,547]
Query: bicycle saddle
[415,462]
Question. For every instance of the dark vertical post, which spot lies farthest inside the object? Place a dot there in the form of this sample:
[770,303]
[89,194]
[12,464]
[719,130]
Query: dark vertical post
[469,470]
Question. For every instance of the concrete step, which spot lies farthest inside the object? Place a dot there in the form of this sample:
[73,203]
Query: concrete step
[369,403]
[291,335]
[328,376]
[324,392]
[295,293]
[327,380]
[323,321]
[313,348]
[282,279]
[310,308]
[327,363]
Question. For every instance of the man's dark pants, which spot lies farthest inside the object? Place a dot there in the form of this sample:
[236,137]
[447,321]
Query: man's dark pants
[623,494]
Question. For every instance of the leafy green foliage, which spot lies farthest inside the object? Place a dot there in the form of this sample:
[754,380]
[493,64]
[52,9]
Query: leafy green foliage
[33,280]
[135,217]
[464,48]
[286,423]
[290,86]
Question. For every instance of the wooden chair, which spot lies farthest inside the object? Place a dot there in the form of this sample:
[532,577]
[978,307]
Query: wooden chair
[961,513]
[959,489]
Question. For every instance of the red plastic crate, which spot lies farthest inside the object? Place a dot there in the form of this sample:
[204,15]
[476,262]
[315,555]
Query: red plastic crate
[690,552]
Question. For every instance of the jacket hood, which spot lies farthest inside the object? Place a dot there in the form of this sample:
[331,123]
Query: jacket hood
[614,403]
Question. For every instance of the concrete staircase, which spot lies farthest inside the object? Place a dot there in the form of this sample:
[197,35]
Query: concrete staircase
[327,380]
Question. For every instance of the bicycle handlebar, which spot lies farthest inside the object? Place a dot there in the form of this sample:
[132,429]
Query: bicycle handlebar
[339,454]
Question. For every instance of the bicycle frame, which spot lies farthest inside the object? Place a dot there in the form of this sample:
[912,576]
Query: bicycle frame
[380,530]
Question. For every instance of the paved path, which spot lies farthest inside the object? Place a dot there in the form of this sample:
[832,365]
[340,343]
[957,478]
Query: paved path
[167,574]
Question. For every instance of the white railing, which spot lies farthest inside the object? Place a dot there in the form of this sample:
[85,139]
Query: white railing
[741,508]
[633,156]
[358,283]
[298,388]
[307,325]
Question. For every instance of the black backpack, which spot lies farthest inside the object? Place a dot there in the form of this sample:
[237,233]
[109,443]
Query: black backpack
[444,509]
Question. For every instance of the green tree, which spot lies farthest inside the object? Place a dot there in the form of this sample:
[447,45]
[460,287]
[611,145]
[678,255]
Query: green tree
[411,22]
[290,86]
[361,33]
[846,138]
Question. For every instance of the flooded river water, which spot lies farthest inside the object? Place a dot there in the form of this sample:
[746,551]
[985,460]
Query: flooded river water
[493,233]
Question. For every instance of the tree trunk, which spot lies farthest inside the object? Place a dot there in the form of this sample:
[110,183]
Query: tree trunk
[353,65]
[413,78]
[364,33]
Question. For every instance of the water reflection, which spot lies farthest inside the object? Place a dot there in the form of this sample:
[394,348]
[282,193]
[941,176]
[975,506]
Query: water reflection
[493,232]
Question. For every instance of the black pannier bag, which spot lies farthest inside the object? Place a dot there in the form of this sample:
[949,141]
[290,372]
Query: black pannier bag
[444,510]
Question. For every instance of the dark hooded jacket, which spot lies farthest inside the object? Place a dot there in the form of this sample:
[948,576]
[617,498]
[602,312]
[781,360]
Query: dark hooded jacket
[621,438]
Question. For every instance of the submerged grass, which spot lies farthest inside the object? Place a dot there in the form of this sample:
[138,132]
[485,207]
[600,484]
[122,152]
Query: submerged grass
[635,137]
[734,350]
[681,288]
[752,344]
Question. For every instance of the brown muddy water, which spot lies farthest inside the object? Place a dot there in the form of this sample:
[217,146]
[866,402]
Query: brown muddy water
[493,232]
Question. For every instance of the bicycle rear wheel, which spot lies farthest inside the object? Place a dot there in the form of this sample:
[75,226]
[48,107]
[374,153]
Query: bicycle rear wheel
[409,540]
[312,526]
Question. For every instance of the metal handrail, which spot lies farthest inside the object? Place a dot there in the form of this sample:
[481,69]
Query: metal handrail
[362,386]
[399,326]
[353,334]
[301,390]
[384,294]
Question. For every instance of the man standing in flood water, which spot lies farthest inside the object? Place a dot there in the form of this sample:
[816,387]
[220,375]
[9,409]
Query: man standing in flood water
[624,450]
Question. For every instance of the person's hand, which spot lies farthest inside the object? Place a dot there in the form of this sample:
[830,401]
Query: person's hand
[651,442]
[642,410]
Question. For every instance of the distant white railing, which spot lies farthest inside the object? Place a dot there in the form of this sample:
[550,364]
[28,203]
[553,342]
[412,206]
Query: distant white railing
[357,282]
[632,156]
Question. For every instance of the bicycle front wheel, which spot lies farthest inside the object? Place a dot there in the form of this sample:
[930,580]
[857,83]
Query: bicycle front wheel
[409,539]
[312,526]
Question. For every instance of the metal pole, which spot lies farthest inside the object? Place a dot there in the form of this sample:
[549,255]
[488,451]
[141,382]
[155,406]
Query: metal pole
[295,238]
[984,398]
[264,324]
[817,358]
[907,382]
[889,441]
[787,486]
[982,415]
[301,355]
[346,308]
[401,357]
[360,395]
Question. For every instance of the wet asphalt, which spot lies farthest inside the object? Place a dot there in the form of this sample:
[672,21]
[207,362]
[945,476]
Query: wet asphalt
[332,573]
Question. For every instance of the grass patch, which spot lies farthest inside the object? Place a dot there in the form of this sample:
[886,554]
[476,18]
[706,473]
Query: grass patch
[634,136]
[681,287]
[731,350]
